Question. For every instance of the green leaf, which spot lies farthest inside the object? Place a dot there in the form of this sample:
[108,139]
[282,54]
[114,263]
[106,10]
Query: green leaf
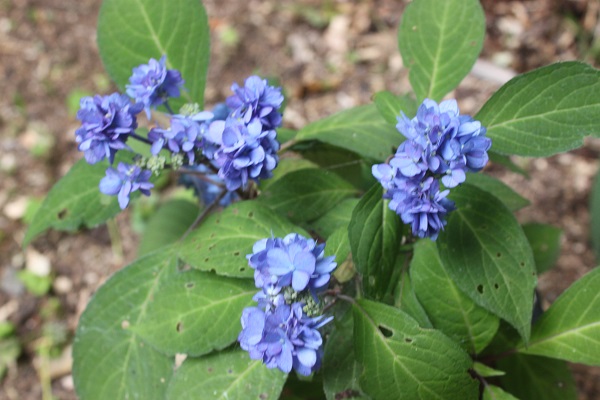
[485,371]
[341,371]
[439,42]
[36,285]
[406,299]
[110,361]
[223,240]
[195,313]
[167,225]
[545,242]
[285,166]
[403,361]
[336,218]
[306,194]
[390,106]
[375,234]
[499,189]
[485,251]
[10,348]
[338,245]
[130,32]
[545,111]
[570,328]
[449,309]
[225,375]
[537,378]
[595,215]
[359,129]
[491,392]
[73,201]
[506,162]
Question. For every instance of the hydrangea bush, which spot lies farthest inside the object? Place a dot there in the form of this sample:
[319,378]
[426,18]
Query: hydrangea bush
[412,281]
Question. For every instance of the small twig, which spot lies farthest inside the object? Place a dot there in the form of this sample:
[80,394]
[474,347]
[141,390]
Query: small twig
[285,146]
[203,214]
[140,138]
[200,176]
[168,107]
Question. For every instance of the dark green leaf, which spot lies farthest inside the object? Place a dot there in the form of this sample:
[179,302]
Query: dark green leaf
[485,251]
[360,129]
[403,361]
[338,245]
[570,328]
[439,42]
[390,106]
[545,111]
[130,32]
[223,240]
[375,235]
[545,243]
[285,166]
[306,194]
[499,189]
[595,215]
[337,217]
[449,309]
[406,299]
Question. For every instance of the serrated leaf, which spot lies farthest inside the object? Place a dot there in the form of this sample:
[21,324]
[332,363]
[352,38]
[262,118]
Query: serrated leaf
[491,392]
[341,371]
[73,201]
[439,42]
[485,251]
[375,233]
[225,375]
[570,328]
[403,361]
[360,129]
[545,242]
[449,309]
[405,298]
[195,313]
[486,371]
[545,111]
[336,218]
[110,361]
[537,378]
[391,106]
[511,199]
[595,215]
[223,240]
[167,225]
[130,32]
[306,194]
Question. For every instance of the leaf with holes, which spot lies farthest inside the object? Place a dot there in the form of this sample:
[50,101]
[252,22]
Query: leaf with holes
[511,199]
[223,240]
[537,378]
[130,32]
[110,360]
[374,233]
[391,106]
[75,200]
[570,328]
[545,111]
[195,313]
[486,253]
[360,129]
[306,194]
[449,309]
[545,243]
[224,376]
[439,42]
[402,360]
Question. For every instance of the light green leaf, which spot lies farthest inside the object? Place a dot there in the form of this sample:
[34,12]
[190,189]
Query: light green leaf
[449,309]
[359,129]
[485,251]
[130,32]
[226,375]
[499,189]
[491,392]
[375,234]
[537,378]
[439,42]
[545,243]
[167,225]
[485,371]
[306,194]
[403,361]
[195,313]
[405,297]
[223,240]
[570,328]
[391,106]
[337,217]
[595,215]
[110,361]
[545,111]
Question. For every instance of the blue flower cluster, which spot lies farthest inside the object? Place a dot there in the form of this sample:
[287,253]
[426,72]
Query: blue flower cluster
[441,145]
[282,330]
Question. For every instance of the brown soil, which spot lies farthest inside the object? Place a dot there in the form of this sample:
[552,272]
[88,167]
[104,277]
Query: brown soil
[329,55]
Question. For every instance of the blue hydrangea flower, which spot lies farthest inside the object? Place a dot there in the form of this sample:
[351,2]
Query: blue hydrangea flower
[241,151]
[152,84]
[106,123]
[256,99]
[125,180]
